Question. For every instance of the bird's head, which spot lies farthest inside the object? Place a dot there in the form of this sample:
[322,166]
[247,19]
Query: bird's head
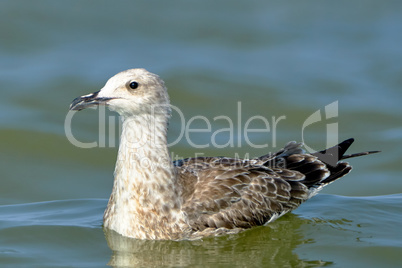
[131,92]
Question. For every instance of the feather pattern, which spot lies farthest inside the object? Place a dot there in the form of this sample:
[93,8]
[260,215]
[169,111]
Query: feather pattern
[230,194]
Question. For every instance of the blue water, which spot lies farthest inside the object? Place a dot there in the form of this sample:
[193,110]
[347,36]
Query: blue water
[276,58]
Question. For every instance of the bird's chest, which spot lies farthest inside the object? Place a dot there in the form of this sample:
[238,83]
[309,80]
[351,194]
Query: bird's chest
[124,215]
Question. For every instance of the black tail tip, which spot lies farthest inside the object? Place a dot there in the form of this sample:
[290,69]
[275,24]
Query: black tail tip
[344,146]
[348,141]
[332,155]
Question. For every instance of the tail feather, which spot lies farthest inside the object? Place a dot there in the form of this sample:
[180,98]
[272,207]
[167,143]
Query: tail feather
[358,154]
[332,155]
[337,172]
[319,168]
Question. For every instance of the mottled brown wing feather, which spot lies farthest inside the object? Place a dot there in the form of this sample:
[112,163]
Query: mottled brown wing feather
[241,194]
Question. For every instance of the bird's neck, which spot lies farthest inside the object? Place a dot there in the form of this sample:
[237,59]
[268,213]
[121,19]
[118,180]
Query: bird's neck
[145,198]
[143,151]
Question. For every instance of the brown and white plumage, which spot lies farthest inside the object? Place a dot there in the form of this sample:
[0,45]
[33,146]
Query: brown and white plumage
[155,198]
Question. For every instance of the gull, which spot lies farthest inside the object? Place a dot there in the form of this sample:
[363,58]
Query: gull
[155,198]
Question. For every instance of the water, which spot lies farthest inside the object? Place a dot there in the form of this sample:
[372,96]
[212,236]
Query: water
[277,59]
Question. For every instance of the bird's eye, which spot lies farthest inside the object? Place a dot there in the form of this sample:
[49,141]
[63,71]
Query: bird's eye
[133,85]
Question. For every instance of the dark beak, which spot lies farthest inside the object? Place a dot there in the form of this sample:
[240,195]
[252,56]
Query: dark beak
[86,101]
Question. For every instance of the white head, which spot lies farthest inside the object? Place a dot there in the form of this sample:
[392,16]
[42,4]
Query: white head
[131,92]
